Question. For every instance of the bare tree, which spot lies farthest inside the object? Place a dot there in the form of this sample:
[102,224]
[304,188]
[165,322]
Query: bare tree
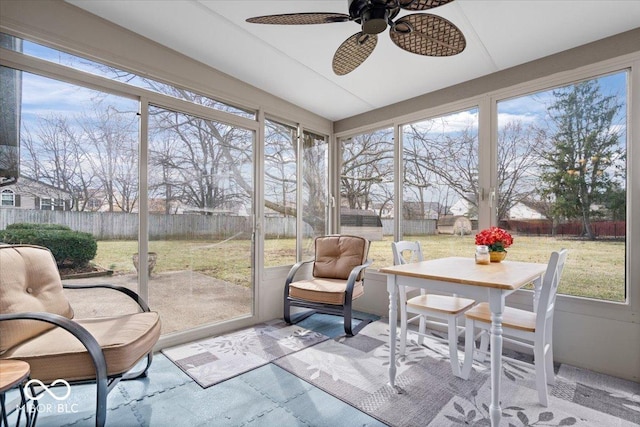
[280,165]
[450,158]
[518,166]
[53,156]
[206,163]
[112,138]
[367,170]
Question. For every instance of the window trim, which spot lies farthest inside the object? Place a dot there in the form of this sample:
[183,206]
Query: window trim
[11,193]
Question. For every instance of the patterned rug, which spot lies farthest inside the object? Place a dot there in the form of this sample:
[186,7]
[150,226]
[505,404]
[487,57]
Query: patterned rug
[355,370]
[213,360]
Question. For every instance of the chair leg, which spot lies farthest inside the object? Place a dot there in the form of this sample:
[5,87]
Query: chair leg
[548,355]
[484,346]
[101,401]
[422,329]
[469,347]
[347,322]
[453,345]
[541,376]
[287,311]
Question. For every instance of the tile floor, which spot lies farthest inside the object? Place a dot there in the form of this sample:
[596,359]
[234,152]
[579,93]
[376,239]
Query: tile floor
[266,396]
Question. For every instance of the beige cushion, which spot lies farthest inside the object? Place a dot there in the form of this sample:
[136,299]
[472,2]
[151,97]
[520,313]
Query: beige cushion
[58,354]
[336,256]
[29,281]
[326,291]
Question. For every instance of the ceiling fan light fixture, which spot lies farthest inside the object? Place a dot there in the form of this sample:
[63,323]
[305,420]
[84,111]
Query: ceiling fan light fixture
[374,20]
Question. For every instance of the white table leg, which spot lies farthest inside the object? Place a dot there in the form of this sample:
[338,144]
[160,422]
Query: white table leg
[496,304]
[392,288]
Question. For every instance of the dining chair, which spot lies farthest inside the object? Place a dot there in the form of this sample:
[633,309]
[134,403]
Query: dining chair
[530,329]
[444,307]
[337,278]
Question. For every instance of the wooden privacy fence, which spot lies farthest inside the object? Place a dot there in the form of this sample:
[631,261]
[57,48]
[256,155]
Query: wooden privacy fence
[124,226]
[615,229]
[411,227]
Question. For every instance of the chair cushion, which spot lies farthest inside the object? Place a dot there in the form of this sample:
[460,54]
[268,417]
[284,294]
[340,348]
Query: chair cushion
[326,291]
[29,281]
[58,354]
[336,256]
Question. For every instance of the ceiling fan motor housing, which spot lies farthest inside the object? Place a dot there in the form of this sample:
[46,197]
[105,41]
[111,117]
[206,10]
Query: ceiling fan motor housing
[373,15]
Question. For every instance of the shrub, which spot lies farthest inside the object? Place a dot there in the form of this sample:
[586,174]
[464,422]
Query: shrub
[69,248]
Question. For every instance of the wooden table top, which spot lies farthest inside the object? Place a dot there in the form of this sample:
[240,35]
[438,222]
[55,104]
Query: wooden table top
[12,372]
[508,275]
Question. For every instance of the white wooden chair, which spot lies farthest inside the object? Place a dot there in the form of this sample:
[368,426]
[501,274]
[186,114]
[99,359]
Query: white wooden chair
[443,307]
[526,328]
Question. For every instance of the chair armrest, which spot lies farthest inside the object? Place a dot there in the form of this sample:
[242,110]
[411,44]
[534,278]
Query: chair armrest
[87,340]
[294,270]
[131,294]
[351,281]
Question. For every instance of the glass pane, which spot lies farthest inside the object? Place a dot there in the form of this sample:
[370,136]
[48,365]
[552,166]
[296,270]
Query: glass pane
[280,183]
[315,172]
[562,181]
[78,169]
[366,191]
[440,184]
[82,64]
[200,222]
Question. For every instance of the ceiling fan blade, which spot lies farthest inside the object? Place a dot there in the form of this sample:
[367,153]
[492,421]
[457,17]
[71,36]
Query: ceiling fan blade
[427,34]
[421,4]
[353,52]
[300,18]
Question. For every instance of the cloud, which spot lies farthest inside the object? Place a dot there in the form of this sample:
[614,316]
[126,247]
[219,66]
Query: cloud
[451,123]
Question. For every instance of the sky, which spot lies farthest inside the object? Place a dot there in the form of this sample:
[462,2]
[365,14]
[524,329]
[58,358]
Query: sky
[42,96]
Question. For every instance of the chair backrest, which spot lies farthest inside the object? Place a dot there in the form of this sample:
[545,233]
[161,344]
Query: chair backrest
[405,251]
[29,281]
[550,282]
[337,255]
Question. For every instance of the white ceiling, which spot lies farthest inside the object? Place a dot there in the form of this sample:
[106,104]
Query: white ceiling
[294,62]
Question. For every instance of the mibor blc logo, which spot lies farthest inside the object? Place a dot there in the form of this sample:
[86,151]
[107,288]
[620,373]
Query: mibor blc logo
[59,394]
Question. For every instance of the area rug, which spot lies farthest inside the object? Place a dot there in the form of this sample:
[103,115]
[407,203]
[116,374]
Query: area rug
[355,370]
[213,360]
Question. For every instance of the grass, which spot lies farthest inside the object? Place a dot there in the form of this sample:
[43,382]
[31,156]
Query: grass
[594,269]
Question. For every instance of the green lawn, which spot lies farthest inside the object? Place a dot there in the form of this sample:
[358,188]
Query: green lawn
[595,269]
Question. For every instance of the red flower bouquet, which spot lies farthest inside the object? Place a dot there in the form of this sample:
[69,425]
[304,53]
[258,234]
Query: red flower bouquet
[496,238]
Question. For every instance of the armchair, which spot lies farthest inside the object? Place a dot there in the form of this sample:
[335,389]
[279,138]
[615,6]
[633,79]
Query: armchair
[337,279]
[37,326]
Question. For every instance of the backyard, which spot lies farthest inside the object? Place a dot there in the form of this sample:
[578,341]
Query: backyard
[595,269]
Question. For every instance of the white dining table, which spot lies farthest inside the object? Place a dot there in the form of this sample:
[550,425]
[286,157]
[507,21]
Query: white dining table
[484,283]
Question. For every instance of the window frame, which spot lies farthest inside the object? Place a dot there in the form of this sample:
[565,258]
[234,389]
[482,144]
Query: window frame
[487,140]
[9,192]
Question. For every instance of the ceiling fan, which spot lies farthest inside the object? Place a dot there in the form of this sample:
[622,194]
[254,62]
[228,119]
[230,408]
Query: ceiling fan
[421,33]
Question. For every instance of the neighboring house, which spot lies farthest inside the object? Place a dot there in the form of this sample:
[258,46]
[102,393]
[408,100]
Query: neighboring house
[27,193]
[522,211]
[460,208]
[417,210]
